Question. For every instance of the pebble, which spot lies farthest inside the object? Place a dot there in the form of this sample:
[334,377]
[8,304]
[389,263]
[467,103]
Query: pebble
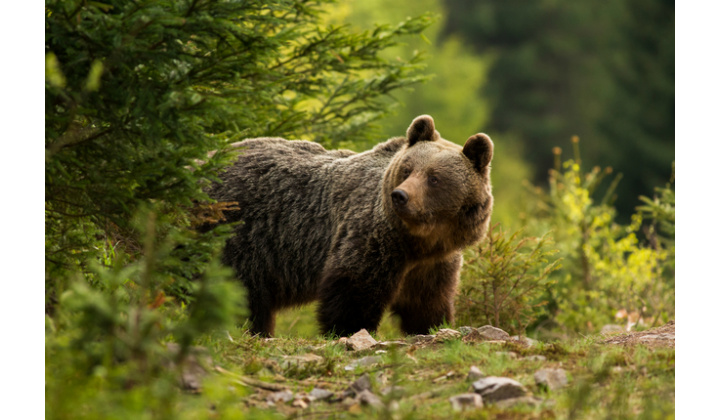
[361,340]
[474,374]
[494,388]
[467,401]
[551,378]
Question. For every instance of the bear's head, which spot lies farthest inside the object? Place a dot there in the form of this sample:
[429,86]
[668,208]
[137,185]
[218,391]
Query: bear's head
[440,192]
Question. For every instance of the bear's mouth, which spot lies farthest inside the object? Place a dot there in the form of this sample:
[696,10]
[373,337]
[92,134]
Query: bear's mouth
[413,219]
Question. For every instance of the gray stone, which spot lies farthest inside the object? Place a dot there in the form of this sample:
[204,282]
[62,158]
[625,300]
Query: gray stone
[474,374]
[466,330]
[360,384]
[494,388]
[525,341]
[421,338]
[301,402]
[194,366]
[492,333]
[508,354]
[280,396]
[464,402]
[361,340]
[447,334]
[365,361]
[551,378]
[384,345]
[366,397]
[320,394]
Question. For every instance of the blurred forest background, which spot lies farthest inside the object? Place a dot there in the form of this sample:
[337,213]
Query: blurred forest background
[578,98]
[533,74]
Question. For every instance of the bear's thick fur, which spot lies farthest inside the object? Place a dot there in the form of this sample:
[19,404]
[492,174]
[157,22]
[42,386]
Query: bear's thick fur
[361,233]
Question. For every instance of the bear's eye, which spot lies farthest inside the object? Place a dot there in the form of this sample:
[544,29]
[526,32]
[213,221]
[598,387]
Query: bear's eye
[406,172]
[433,180]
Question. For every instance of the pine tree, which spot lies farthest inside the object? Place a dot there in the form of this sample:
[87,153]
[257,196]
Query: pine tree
[601,70]
[138,93]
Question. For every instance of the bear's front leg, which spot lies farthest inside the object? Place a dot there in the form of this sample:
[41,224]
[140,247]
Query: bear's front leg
[262,319]
[350,301]
[426,298]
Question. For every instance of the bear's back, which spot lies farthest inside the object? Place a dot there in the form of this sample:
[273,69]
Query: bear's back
[290,196]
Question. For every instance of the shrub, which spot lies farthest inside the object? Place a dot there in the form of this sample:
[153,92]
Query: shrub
[138,93]
[503,280]
[105,348]
[607,270]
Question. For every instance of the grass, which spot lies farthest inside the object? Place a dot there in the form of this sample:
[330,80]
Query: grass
[605,381]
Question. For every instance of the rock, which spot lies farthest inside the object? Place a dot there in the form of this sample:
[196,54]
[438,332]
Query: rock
[420,338]
[280,396]
[494,388]
[303,360]
[466,330]
[444,377]
[320,394]
[526,400]
[464,402]
[361,340]
[611,329]
[487,333]
[447,334]
[366,397]
[492,333]
[360,384]
[525,341]
[193,365]
[301,403]
[384,345]
[365,361]
[663,336]
[536,358]
[551,378]
[657,337]
[473,336]
[474,374]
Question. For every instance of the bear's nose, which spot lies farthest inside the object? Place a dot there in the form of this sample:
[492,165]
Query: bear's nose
[399,197]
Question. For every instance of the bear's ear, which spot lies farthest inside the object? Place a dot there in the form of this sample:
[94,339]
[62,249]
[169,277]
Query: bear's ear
[421,129]
[479,149]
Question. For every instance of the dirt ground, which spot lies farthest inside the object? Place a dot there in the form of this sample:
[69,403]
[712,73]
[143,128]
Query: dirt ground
[663,336]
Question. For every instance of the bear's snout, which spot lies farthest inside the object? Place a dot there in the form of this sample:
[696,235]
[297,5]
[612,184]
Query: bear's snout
[399,198]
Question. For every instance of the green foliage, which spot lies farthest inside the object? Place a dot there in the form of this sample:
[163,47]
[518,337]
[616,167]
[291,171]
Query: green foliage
[602,70]
[137,94]
[661,210]
[109,335]
[607,269]
[504,278]
[452,96]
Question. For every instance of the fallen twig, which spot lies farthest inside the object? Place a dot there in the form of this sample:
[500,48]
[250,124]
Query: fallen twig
[247,381]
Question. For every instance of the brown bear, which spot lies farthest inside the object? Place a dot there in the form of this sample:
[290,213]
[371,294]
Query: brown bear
[360,232]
